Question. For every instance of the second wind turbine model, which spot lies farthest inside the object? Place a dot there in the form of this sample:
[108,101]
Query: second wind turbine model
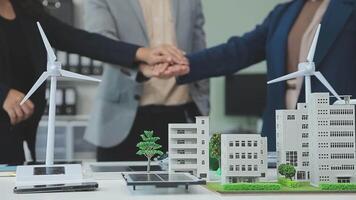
[54,70]
[307,69]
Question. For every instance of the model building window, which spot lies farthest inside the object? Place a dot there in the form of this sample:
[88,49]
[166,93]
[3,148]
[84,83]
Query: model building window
[231,168]
[249,168]
[255,168]
[202,132]
[304,126]
[305,145]
[180,142]
[249,143]
[263,175]
[243,143]
[203,162]
[305,135]
[243,168]
[249,155]
[237,167]
[237,155]
[304,117]
[231,144]
[202,121]
[291,117]
[180,131]
[181,162]
[243,155]
[231,156]
[291,158]
[255,156]
[255,143]
[203,175]
[181,151]
[305,154]
[202,152]
[237,143]
[343,180]
[203,142]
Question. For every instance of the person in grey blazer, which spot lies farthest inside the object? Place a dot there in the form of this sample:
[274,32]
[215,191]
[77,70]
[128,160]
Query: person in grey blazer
[125,106]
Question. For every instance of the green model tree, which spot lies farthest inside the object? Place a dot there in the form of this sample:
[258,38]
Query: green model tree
[215,149]
[148,147]
[287,170]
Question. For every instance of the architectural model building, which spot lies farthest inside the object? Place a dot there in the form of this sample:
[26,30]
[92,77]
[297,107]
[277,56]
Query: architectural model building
[189,147]
[243,158]
[319,140]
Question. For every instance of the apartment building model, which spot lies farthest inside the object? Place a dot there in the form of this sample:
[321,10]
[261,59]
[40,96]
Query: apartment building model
[319,140]
[189,147]
[243,158]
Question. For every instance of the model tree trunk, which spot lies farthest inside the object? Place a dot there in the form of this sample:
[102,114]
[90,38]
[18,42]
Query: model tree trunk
[149,165]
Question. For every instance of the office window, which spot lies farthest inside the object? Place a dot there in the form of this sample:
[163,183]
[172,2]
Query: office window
[292,158]
[231,144]
[203,162]
[249,143]
[249,168]
[255,156]
[242,143]
[231,156]
[237,155]
[180,142]
[180,131]
[243,155]
[255,143]
[237,167]
[243,167]
[255,168]
[202,132]
[203,152]
[249,155]
[202,121]
[203,142]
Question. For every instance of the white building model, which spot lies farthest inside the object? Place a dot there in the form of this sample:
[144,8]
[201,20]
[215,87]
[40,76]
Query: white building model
[189,147]
[243,158]
[319,140]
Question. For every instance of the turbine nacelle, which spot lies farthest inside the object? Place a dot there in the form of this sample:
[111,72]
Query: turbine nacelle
[307,67]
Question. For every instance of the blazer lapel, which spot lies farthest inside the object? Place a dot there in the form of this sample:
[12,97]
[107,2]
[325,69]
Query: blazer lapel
[333,22]
[280,40]
[138,10]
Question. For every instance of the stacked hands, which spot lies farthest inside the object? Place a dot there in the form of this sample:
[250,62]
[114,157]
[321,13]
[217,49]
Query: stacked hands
[164,62]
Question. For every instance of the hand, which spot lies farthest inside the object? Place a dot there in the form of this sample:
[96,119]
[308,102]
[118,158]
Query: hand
[164,70]
[161,54]
[16,112]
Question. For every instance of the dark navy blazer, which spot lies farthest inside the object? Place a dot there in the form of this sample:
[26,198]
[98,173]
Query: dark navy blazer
[335,55]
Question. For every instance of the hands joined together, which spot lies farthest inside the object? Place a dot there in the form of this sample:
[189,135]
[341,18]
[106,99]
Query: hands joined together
[165,61]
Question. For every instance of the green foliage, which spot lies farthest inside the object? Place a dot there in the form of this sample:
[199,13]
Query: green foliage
[215,146]
[251,187]
[289,183]
[148,146]
[338,186]
[287,170]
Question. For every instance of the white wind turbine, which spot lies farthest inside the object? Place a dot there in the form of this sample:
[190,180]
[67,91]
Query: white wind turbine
[307,69]
[54,70]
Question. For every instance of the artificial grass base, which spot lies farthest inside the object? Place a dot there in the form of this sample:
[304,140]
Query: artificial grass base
[304,187]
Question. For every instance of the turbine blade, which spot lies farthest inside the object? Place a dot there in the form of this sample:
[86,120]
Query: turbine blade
[289,76]
[38,83]
[69,74]
[51,56]
[312,49]
[323,80]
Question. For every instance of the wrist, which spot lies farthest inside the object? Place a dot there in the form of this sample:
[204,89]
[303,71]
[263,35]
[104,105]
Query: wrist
[141,54]
[4,91]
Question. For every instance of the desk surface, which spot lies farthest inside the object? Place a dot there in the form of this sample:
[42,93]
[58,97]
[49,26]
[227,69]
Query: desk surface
[117,190]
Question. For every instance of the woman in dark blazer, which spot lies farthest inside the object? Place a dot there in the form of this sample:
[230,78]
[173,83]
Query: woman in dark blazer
[23,58]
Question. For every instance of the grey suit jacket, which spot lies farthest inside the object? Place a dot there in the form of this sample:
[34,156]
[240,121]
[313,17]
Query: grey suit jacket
[118,96]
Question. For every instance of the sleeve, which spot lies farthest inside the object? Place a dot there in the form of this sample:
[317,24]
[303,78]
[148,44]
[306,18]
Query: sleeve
[199,41]
[236,54]
[103,23]
[72,40]
[4,90]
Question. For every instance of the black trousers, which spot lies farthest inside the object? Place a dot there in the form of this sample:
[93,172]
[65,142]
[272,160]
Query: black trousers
[155,118]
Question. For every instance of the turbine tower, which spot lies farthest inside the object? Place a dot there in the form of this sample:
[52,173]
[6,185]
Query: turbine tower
[307,69]
[54,70]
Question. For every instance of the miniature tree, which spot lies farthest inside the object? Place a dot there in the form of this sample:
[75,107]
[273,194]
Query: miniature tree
[215,149]
[148,147]
[287,170]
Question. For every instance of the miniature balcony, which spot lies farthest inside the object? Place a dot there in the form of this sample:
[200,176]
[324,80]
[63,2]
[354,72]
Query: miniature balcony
[183,156]
[183,146]
[184,166]
[183,136]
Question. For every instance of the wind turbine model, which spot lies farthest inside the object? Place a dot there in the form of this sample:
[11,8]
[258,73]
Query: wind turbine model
[307,69]
[61,172]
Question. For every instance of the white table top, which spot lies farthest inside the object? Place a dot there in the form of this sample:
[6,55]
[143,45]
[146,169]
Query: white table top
[117,190]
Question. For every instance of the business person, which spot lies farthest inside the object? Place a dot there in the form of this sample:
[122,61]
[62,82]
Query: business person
[283,40]
[125,108]
[23,58]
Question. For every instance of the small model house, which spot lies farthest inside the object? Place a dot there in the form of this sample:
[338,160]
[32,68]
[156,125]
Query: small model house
[243,158]
[319,140]
[189,147]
